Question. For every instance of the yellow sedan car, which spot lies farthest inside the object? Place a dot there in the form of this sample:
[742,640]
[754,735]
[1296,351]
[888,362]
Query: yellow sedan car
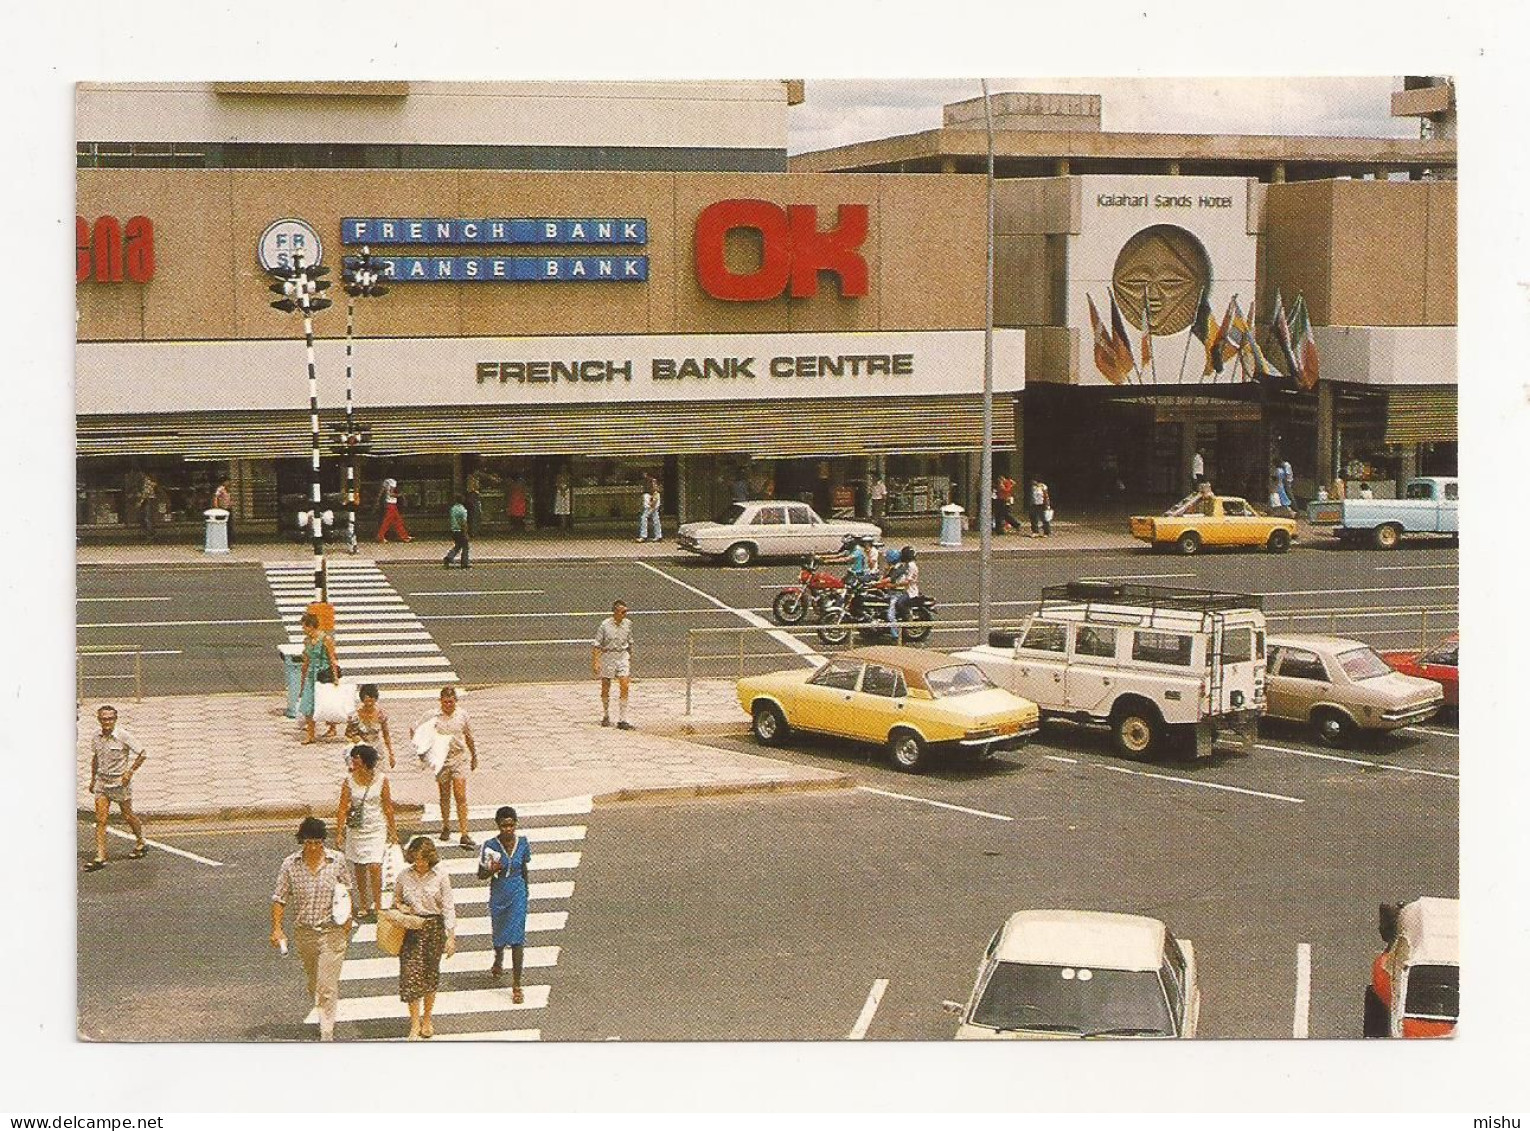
[909,700]
[1214,520]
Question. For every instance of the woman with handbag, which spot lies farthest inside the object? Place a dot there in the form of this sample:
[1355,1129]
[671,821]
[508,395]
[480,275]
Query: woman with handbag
[320,665]
[368,723]
[425,890]
[504,863]
[364,827]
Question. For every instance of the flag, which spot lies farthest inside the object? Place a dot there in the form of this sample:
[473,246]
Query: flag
[1120,339]
[1105,358]
[1282,331]
[1305,345]
[1147,335]
[1254,360]
[1229,340]
[1204,325]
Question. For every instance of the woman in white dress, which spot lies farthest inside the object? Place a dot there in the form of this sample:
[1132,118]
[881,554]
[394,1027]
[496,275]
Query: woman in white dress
[364,827]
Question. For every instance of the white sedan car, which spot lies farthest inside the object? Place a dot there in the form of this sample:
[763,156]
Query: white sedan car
[1082,974]
[767,528]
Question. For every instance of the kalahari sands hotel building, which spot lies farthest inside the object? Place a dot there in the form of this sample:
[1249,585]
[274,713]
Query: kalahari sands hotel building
[606,280]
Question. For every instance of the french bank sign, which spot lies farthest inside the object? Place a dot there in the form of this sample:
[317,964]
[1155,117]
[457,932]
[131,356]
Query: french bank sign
[406,240]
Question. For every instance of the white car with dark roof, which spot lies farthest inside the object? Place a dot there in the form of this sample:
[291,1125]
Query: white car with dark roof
[770,528]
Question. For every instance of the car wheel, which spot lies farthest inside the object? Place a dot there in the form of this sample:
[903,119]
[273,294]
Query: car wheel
[918,630]
[834,631]
[769,725]
[1386,537]
[789,607]
[740,554]
[1375,1016]
[1189,543]
[1279,542]
[907,751]
[1333,727]
[1136,730]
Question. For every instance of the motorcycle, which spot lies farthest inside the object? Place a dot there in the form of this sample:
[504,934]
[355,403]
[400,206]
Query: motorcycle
[816,590]
[865,611]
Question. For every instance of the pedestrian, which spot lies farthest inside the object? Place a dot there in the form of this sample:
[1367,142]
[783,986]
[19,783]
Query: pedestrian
[389,507]
[648,520]
[903,582]
[223,498]
[313,879]
[115,756]
[740,487]
[563,501]
[823,491]
[364,827]
[457,522]
[1039,496]
[461,756]
[368,723]
[477,479]
[424,889]
[148,494]
[1197,469]
[320,665]
[504,861]
[878,497]
[1005,512]
[516,507]
[1283,484]
[612,659]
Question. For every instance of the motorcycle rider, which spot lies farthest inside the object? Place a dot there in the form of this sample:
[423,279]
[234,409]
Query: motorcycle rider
[862,560]
[903,581]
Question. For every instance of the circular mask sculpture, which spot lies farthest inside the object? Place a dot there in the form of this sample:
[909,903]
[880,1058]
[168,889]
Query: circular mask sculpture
[1170,267]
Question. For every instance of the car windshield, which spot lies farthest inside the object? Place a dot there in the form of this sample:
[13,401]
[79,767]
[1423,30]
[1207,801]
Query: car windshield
[960,679]
[1362,663]
[730,516]
[1433,991]
[1074,999]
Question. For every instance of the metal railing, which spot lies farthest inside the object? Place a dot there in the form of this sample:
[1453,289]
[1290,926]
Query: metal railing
[1433,621]
[95,651]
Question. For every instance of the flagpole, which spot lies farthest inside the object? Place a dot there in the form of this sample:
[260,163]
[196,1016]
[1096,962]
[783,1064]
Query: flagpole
[1184,359]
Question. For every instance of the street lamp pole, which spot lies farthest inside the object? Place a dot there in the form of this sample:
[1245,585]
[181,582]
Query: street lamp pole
[985,485]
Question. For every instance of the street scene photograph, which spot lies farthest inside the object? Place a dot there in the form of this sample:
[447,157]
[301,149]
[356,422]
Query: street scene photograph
[953,559]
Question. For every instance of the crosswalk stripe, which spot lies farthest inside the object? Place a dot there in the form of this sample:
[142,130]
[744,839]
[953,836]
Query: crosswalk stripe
[552,889]
[480,925]
[561,807]
[449,1003]
[386,649]
[440,679]
[413,634]
[537,834]
[463,962]
[540,862]
[373,662]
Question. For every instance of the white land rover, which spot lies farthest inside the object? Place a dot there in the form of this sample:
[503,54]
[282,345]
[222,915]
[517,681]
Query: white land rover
[1145,660]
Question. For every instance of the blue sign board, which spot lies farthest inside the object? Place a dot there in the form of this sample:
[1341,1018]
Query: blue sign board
[512,268]
[411,231]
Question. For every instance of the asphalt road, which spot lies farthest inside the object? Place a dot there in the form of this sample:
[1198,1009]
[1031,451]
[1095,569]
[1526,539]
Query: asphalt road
[214,629]
[773,917]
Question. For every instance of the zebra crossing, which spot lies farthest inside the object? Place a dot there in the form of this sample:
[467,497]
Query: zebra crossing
[468,1006]
[378,638]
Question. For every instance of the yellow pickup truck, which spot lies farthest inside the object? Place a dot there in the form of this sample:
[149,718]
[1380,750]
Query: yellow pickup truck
[1214,520]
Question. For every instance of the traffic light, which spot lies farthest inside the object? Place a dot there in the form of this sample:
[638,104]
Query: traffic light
[300,288]
[361,277]
[355,442]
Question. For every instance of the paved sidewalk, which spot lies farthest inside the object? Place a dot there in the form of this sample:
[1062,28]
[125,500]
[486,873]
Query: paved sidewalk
[239,756]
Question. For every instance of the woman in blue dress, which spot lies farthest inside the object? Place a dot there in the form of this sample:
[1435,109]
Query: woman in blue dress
[320,665]
[503,862]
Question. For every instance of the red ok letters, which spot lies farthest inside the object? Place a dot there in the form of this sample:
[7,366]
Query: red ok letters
[794,250]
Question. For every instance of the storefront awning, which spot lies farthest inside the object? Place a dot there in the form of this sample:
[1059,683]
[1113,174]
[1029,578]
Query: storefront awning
[1423,414]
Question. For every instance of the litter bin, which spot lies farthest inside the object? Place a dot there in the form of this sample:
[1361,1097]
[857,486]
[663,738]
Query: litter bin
[292,662]
[217,531]
[951,524]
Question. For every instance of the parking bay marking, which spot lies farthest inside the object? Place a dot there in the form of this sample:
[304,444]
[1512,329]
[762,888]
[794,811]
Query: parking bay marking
[937,804]
[1357,762]
[1443,565]
[754,619]
[1436,733]
[169,848]
[1166,777]
[868,1011]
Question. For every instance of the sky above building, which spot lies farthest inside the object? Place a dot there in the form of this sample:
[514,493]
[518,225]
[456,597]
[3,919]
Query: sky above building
[844,111]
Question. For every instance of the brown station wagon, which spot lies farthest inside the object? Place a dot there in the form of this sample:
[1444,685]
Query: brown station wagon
[1342,687]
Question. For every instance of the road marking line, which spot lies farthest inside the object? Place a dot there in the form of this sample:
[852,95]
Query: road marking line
[937,804]
[557,889]
[545,861]
[463,962]
[1447,565]
[480,925]
[135,652]
[168,848]
[1431,730]
[449,1003]
[508,643]
[1202,784]
[1356,761]
[477,593]
[868,1011]
[352,650]
[373,663]
[1331,592]
[82,600]
[783,638]
[1059,758]
[591,613]
[1135,576]
[1303,1011]
[178,623]
[557,807]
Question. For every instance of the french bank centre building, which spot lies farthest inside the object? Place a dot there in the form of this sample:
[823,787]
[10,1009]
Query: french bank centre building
[796,334]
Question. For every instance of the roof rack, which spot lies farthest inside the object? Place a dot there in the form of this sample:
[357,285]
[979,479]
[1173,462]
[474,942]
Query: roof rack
[1147,596]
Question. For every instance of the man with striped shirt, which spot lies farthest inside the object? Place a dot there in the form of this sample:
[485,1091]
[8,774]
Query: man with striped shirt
[308,880]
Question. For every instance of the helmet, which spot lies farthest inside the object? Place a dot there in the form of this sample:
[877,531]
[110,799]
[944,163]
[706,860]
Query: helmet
[906,554]
[892,557]
[848,541]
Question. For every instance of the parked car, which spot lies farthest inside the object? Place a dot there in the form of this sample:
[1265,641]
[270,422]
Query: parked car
[1428,506]
[1437,664]
[1079,974]
[1214,520]
[766,528]
[1145,660]
[909,700]
[1415,986]
[1342,687]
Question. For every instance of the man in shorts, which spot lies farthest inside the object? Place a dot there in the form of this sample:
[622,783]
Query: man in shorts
[115,756]
[612,659]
